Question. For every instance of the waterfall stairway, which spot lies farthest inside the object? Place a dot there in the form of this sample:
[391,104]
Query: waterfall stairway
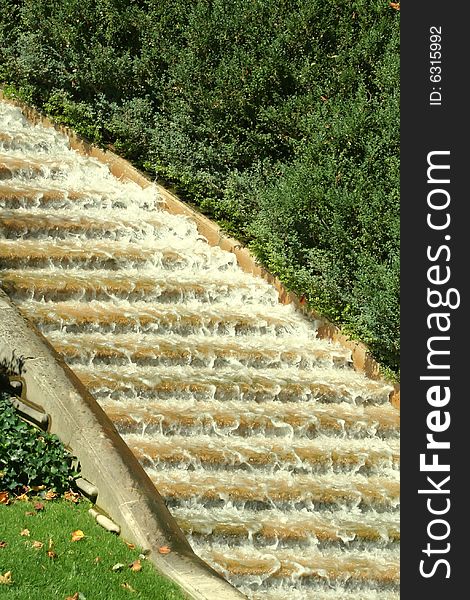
[277,459]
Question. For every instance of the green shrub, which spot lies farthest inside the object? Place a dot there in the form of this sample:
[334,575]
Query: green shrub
[30,457]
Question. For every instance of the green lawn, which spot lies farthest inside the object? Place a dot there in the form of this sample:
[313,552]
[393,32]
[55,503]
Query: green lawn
[36,547]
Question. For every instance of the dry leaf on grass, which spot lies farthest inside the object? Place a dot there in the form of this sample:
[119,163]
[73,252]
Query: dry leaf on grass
[395,5]
[118,567]
[22,497]
[130,546]
[2,544]
[50,551]
[30,513]
[128,587]
[164,549]
[25,532]
[6,578]
[72,496]
[77,535]
[136,565]
[39,506]
[37,544]
[4,498]
[74,597]
[50,495]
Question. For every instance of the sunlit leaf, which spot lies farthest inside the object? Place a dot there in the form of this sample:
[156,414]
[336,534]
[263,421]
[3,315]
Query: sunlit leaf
[6,578]
[72,496]
[38,488]
[136,565]
[77,535]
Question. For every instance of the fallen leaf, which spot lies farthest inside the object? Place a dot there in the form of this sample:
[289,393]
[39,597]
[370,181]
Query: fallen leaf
[77,535]
[22,497]
[39,506]
[50,495]
[130,546]
[38,488]
[24,532]
[51,554]
[126,586]
[37,544]
[164,549]
[72,496]
[6,578]
[2,544]
[74,597]
[98,559]
[118,567]
[136,565]
[395,5]
[4,498]
[30,513]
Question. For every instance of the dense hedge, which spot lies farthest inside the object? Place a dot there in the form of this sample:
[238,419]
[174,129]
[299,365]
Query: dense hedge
[279,118]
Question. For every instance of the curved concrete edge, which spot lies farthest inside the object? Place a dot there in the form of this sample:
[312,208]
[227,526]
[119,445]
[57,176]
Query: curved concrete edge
[123,170]
[125,492]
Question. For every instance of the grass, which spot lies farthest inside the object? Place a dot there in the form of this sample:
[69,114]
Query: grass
[58,567]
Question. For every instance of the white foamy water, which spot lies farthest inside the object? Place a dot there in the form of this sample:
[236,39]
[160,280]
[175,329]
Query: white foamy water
[277,459]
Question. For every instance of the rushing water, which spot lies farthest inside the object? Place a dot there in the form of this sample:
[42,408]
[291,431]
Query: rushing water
[277,459]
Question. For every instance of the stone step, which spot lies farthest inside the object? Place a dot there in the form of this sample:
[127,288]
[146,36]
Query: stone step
[283,420]
[238,382]
[320,455]
[197,350]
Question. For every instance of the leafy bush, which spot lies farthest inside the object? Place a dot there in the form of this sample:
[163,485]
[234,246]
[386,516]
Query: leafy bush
[30,457]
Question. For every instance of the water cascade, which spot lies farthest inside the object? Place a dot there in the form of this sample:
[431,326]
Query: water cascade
[278,460]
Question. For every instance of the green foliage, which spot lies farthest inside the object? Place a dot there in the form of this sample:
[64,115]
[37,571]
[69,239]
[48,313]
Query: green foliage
[80,115]
[278,118]
[29,457]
